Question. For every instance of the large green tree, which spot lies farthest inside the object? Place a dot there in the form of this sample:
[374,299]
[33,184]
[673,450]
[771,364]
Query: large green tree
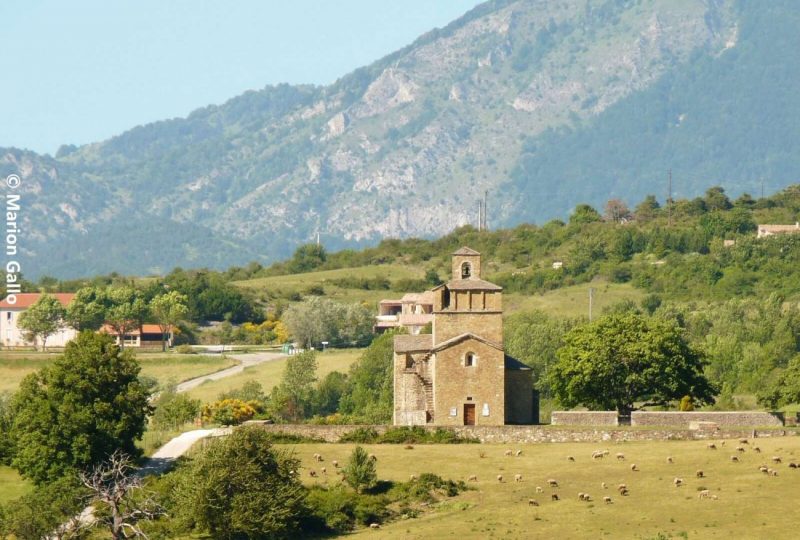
[43,319]
[622,359]
[292,398]
[168,310]
[785,390]
[370,391]
[87,310]
[127,311]
[240,487]
[78,411]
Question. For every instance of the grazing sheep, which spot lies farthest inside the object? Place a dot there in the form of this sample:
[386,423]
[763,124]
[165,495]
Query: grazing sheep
[472,478]
[499,477]
[598,454]
[634,468]
[518,453]
[757,449]
[373,457]
[312,473]
[711,446]
[603,485]
[554,497]
[620,456]
[740,448]
[607,499]
[793,465]
[408,447]
[776,459]
[580,495]
[722,443]
[700,474]
[319,457]
[735,459]
[623,492]
[552,483]
[677,481]
[669,459]
[704,494]
[539,489]
[517,478]
[622,486]
[335,463]
[570,458]
[508,452]
[413,477]
[605,452]
[743,441]
[323,470]
[316,456]
[587,497]
[773,472]
[532,502]
[764,469]
[374,526]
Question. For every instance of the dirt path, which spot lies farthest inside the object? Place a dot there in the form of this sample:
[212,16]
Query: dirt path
[245,361]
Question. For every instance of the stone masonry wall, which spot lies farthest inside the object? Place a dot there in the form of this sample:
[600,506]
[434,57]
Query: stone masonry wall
[536,434]
[722,419]
[584,418]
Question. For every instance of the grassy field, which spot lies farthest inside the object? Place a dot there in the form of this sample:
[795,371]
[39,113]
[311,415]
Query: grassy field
[301,282]
[164,367]
[12,485]
[749,503]
[573,301]
[269,373]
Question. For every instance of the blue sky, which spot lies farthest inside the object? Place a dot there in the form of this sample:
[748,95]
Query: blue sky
[82,71]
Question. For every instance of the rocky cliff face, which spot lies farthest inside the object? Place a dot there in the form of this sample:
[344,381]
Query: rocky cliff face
[405,146]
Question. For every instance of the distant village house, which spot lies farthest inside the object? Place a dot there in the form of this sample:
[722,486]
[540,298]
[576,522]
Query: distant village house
[12,336]
[149,336]
[413,312]
[771,230]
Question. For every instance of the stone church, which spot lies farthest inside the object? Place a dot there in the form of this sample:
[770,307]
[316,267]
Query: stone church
[460,374]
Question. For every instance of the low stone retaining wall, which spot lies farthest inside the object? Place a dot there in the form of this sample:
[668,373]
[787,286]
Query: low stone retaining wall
[584,418]
[721,419]
[535,434]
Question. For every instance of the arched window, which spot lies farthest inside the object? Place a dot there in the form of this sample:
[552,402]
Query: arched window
[466,270]
[470,359]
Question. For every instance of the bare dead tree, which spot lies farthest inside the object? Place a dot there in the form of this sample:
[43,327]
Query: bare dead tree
[117,488]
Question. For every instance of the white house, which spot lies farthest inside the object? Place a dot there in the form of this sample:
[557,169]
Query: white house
[11,336]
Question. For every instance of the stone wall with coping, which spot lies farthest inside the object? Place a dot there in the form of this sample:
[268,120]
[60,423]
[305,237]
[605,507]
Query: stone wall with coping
[537,434]
[584,418]
[721,419]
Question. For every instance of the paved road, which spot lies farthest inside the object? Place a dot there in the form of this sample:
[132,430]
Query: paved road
[245,361]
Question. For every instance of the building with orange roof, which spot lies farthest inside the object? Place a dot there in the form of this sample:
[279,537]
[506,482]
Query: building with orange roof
[12,308]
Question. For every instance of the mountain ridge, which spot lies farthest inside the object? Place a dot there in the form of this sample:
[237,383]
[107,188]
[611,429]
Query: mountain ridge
[406,145]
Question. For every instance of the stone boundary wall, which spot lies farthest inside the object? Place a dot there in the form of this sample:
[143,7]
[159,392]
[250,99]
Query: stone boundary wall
[721,419]
[584,418]
[537,434]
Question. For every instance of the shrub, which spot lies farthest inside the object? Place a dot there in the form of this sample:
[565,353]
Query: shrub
[185,349]
[362,435]
[229,412]
[173,409]
[420,435]
[360,471]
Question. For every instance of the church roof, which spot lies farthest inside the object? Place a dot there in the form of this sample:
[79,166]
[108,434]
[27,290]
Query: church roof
[513,363]
[461,337]
[465,251]
[472,285]
[406,343]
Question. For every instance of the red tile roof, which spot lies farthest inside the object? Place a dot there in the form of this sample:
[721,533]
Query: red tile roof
[146,328]
[26,300]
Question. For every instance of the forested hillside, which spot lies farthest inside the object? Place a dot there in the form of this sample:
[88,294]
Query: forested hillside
[545,104]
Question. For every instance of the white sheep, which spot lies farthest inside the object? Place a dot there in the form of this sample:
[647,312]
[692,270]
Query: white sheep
[335,463]
[711,446]
[603,485]
[517,478]
[374,526]
[373,457]
[472,478]
[539,489]
[764,469]
[740,448]
[607,499]
[518,453]
[776,459]
[677,481]
[499,477]
[734,459]
[554,497]
[413,477]
[704,494]
[532,502]
[700,474]
[669,459]
[508,452]
[634,468]
[552,482]
[312,473]
[323,470]
[319,457]
[570,458]
[757,449]
[620,456]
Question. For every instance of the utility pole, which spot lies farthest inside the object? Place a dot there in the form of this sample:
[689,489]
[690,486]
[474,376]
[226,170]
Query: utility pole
[762,188]
[317,237]
[485,210]
[669,200]
[480,215]
[591,301]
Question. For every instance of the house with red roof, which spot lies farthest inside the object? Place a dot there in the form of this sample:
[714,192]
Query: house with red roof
[147,337]
[12,336]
